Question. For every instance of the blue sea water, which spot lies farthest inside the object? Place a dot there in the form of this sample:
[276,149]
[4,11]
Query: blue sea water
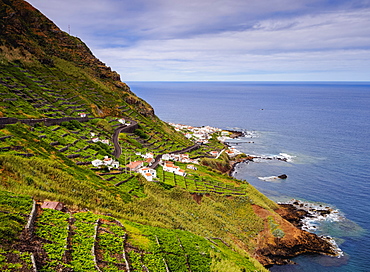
[325,127]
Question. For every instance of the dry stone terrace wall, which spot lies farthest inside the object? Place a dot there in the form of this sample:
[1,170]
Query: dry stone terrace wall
[47,121]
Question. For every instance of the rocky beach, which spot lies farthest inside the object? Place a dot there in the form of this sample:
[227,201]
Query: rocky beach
[300,224]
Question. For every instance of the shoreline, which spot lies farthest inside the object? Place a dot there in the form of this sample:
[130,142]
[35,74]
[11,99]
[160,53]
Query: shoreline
[272,250]
[302,215]
[250,158]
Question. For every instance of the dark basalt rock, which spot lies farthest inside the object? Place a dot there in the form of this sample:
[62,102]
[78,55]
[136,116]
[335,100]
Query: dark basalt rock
[294,215]
[283,176]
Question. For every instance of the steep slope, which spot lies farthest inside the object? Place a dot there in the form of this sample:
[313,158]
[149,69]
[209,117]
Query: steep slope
[62,109]
[29,37]
[27,30]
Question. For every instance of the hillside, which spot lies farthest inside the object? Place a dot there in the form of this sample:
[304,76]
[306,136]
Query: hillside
[70,131]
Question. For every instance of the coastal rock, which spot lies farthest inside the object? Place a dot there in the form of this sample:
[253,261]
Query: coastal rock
[283,176]
[272,250]
[292,214]
[235,134]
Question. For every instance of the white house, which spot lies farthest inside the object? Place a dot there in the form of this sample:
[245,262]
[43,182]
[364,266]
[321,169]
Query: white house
[166,157]
[184,157]
[105,142]
[97,163]
[107,160]
[200,136]
[190,166]
[122,121]
[148,173]
[180,172]
[170,167]
[148,155]
[115,164]
[82,114]
[95,140]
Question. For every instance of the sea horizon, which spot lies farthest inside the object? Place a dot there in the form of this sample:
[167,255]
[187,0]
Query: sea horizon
[254,81]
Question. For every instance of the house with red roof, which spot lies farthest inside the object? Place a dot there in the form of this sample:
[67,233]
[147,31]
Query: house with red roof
[170,167]
[135,165]
[148,173]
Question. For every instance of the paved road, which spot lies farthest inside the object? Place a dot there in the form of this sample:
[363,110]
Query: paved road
[117,148]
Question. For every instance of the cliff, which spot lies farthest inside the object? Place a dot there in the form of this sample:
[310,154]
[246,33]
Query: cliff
[278,250]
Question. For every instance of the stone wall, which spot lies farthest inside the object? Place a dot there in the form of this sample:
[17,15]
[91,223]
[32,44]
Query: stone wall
[47,121]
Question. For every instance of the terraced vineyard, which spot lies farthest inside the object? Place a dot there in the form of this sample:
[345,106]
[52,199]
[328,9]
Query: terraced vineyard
[14,213]
[74,140]
[85,241]
[197,182]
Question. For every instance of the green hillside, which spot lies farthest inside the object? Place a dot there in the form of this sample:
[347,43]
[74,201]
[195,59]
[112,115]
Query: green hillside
[60,110]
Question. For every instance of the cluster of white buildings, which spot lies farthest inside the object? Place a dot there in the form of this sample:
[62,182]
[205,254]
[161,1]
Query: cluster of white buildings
[138,166]
[169,166]
[106,162]
[196,134]
[231,151]
[184,158]
[224,136]
[96,139]
[167,162]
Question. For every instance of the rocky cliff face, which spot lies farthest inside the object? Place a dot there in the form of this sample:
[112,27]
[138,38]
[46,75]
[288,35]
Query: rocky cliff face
[278,250]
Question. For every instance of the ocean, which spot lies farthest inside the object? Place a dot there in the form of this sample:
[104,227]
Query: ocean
[322,127]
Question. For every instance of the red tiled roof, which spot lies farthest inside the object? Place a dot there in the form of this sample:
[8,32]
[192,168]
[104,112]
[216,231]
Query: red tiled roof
[134,164]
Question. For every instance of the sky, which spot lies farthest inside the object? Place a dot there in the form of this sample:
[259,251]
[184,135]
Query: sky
[222,40]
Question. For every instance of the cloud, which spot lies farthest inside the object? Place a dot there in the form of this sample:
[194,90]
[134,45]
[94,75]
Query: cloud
[216,39]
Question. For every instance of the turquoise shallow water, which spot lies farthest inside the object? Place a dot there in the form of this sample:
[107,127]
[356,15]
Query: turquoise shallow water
[325,127]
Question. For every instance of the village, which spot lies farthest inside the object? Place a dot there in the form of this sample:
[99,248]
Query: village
[146,167]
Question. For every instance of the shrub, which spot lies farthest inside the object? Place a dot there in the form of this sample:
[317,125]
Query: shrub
[141,134]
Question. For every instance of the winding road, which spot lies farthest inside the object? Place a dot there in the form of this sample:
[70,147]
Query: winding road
[130,128]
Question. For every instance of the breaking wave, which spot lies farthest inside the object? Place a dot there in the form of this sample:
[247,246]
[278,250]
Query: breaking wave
[270,178]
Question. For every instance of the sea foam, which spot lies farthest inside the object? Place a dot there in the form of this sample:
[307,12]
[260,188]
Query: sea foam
[317,214]
[270,178]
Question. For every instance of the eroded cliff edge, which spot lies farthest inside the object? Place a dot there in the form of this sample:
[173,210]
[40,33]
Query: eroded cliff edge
[272,250]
